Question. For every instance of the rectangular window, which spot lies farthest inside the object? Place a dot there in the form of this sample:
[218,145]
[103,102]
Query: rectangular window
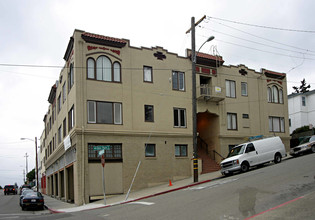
[104,112]
[117,114]
[64,124]
[303,101]
[91,112]
[179,117]
[148,113]
[112,153]
[232,121]
[180,150]
[53,115]
[245,116]
[70,78]
[64,93]
[59,135]
[71,118]
[147,74]
[178,80]
[59,103]
[230,89]
[244,88]
[276,124]
[150,150]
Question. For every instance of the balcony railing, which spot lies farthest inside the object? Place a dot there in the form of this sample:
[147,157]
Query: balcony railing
[210,93]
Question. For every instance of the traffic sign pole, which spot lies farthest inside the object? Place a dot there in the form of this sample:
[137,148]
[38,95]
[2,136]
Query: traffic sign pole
[103,165]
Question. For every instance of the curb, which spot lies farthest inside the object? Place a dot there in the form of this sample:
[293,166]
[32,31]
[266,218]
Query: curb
[53,211]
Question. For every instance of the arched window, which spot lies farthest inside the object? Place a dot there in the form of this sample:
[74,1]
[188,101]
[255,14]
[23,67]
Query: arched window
[280,96]
[269,94]
[117,72]
[103,69]
[275,94]
[91,68]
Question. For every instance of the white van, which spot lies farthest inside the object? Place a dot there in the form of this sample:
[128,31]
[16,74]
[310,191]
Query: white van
[254,153]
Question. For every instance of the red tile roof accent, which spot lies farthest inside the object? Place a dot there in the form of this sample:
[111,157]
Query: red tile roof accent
[101,37]
[210,57]
[275,73]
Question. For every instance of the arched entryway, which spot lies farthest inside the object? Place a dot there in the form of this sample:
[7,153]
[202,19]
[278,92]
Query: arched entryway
[208,140]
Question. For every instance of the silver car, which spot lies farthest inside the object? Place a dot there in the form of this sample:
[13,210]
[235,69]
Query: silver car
[306,145]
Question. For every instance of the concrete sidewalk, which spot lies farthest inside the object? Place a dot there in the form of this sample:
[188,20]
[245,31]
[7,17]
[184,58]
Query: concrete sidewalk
[58,206]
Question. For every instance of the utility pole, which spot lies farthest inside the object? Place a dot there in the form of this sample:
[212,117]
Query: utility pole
[194,102]
[23,176]
[36,173]
[26,156]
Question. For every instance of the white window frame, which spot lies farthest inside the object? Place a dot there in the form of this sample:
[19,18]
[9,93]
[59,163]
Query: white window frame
[116,112]
[178,81]
[147,74]
[103,69]
[303,98]
[244,88]
[231,121]
[117,72]
[180,111]
[276,124]
[179,150]
[230,88]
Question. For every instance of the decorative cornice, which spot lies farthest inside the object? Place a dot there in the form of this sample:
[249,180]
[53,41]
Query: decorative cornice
[103,40]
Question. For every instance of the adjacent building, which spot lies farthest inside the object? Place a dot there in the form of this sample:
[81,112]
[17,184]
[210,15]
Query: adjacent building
[136,104]
[301,109]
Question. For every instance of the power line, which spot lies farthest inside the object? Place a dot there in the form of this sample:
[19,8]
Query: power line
[30,65]
[266,39]
[265,51]
[260,43]
[261,26]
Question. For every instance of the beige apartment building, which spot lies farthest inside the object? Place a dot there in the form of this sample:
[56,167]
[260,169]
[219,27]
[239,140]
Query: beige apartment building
[136,103]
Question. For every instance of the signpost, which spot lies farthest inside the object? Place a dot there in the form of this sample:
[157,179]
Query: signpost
[103,165]
[101,149]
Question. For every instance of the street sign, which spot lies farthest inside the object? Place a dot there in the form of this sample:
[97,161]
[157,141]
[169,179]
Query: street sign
[101,152]
[101,147]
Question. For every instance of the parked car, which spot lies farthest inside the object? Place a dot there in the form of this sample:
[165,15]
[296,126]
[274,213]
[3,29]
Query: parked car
[9,189]
[244,156]
[306,145]
[24,192]
[32,200]
[25,186]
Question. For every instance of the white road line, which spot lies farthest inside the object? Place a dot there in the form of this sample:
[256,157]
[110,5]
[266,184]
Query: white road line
[211,184]
[143,203]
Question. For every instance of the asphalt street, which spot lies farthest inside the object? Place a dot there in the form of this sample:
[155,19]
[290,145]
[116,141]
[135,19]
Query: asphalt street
[281,191]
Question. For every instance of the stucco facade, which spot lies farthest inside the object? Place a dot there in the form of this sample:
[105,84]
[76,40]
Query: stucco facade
[137,103]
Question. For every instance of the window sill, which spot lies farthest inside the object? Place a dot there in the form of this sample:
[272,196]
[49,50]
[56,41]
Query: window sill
[150,158]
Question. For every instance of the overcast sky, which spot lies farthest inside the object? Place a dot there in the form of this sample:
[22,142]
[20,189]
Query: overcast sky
[36,33]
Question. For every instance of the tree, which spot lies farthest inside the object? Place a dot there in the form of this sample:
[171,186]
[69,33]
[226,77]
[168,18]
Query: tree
[31,175]
[303,88]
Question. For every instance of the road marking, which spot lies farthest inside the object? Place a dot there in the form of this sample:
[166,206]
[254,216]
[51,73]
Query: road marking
[212,184]
[143,203]
[283,204]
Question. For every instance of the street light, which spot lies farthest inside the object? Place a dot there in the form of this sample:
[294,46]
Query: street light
[36,170]
[209,39]
[194,104]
